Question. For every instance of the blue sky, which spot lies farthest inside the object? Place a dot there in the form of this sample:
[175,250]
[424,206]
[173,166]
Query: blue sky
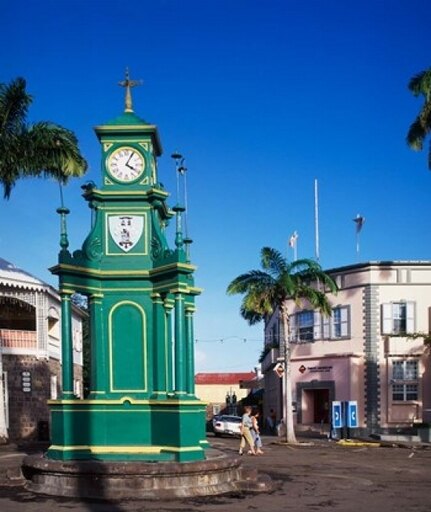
[262,97]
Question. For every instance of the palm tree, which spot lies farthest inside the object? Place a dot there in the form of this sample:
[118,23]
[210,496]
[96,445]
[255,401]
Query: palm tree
[42,149]
[271,289]
[420,85]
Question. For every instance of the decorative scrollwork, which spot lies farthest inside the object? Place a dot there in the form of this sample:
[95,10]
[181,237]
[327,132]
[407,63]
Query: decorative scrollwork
[156,248]
[93,249]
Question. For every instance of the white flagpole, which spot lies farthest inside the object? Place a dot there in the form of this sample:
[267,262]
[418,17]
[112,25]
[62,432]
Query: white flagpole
[316,219]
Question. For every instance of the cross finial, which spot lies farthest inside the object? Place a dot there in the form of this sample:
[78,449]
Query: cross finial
[128,84]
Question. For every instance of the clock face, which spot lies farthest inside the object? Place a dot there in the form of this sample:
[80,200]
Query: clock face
[126,164]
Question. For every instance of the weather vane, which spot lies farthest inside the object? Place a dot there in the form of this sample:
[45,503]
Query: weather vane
[128,84]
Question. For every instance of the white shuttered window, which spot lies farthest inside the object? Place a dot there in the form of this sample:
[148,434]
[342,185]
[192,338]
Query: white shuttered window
[398,318]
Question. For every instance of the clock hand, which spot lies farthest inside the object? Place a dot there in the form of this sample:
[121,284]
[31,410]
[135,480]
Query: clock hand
[130,156]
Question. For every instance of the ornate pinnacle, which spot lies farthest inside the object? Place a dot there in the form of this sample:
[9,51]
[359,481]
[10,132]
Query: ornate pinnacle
[128,84]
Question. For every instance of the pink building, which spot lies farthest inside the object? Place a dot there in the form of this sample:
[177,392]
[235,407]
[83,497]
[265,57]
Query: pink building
[370,350]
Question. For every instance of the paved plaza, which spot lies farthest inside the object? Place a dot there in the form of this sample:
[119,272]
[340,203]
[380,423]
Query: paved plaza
[315,476]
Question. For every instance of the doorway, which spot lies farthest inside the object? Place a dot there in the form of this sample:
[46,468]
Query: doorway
[321,405]
[314,399]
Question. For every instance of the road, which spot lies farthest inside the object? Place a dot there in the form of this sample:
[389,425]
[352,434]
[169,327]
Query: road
[316,476]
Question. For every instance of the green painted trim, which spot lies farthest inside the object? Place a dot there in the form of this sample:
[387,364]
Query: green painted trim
[145,348]
[132,273]
[133,401]
[128,411]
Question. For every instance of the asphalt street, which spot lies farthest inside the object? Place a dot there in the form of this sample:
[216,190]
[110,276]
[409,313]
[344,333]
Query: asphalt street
[318,475]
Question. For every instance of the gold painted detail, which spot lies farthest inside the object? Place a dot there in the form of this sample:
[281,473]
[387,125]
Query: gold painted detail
[136,127]
[122,209]
[124,449]
[144,345]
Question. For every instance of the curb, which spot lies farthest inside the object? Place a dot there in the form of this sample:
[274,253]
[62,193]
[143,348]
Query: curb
[354,443]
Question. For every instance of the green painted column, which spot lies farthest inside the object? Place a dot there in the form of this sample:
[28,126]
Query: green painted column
[160,346]
[169,304]
[66,344]
[179,347]
[190,362]
[98,379]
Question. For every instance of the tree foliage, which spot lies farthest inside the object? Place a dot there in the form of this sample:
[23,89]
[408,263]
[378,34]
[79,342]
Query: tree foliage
[420,85]
[41,149]
[266,290]
[272,288]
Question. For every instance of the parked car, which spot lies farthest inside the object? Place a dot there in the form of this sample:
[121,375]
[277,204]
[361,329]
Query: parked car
[229,425]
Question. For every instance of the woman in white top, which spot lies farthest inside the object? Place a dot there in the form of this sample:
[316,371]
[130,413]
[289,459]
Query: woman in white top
[246,428]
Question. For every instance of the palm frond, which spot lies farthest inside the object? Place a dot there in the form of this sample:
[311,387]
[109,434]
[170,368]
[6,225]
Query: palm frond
[265,291]
[245,282]
[252,317]
[416,135]
[52,149]
[257,304]
[44,149]
[421,83]
[303,265]
[14,103]
[273,261]
[315,298]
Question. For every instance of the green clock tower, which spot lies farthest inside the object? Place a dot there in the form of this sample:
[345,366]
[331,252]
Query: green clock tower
[141,295]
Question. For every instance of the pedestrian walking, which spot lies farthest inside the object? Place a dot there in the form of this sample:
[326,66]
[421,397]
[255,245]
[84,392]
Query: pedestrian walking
[255,432]
[246,428]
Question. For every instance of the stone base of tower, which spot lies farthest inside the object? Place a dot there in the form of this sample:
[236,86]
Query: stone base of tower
[218,474]
[128,430]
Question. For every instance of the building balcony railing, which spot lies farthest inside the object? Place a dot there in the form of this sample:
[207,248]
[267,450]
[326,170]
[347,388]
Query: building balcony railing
[10,338]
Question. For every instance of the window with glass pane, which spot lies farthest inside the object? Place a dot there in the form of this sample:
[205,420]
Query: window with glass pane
[336,318]
[340,322]
[411,391]
[398,370]
[403,373]
[411,372]
[305,321]
[398,392]
[399,312]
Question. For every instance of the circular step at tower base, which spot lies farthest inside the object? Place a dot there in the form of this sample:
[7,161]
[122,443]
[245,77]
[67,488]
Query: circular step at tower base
[218,474]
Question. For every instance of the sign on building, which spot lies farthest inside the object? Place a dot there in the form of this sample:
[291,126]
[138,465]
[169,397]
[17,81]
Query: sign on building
[279,369]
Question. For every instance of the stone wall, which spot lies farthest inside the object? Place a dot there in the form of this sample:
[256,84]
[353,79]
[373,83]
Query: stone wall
[29,415]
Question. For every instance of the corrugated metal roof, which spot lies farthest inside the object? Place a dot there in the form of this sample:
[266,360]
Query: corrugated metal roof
[10,275]
[223,378]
